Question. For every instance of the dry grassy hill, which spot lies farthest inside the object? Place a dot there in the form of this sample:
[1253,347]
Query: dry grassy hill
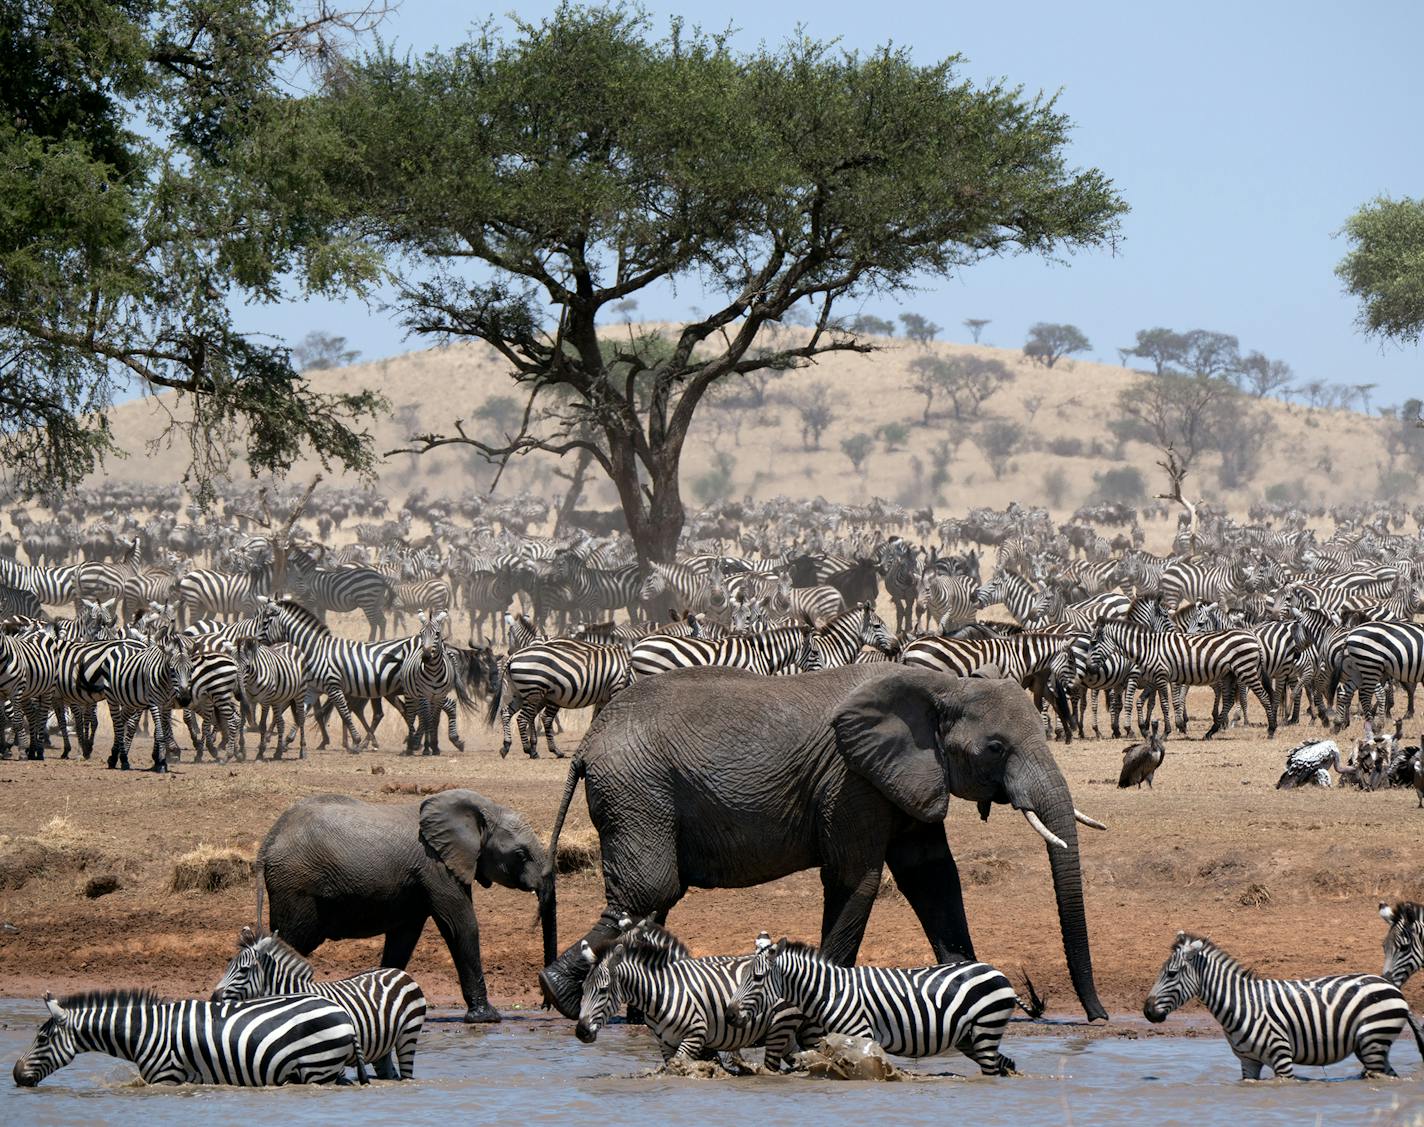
[1333,455]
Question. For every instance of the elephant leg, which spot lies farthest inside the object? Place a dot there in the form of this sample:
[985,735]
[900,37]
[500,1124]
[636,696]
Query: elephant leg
[846,911]
[924,870]
[455,917]
[297,920]
[400,943]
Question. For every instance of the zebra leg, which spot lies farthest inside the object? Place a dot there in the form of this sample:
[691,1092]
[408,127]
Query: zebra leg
[162,738]
[1373,1055]
[1267,699]
[1250,1069]
[551,715]
[276,718]
[448,707]
[528,737]
[119,754]
[191,722]
[299,719]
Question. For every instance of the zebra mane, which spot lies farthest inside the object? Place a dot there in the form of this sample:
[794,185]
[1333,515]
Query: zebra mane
[284,956]
[302,614]
[1231,961]
[122,996]
[653,943]
[1408,912]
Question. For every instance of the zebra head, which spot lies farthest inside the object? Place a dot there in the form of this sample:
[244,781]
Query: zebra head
[601,999]
[1180,979]
[808,657]
[431,639]
[179,653]
[246,974]
[655,585]
[874,632]
[759,985]
[1404,942]
[54,1046]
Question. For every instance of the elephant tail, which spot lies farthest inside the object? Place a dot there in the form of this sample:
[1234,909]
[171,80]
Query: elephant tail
[259,873]
[576,772]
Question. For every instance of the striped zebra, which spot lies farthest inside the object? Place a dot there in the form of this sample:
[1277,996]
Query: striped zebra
[284,1040]
[1279,1022]
[841,639]
[213,689]
[429,596]
[544,677]
[386,1006]
[1372,656]
[342,589]
[1177,660]
[910,1012]
[593,592]
[203,593]
[426,679]
[1404,942]
[780,649]
[273,678]
[899,567]
[1027,603]
[684,1001]
[676,585]
[946,600]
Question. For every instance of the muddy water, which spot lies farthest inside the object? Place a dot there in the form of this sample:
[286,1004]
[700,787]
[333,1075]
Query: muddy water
[532,1070]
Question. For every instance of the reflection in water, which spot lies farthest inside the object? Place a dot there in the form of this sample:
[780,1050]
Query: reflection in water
[532,1070]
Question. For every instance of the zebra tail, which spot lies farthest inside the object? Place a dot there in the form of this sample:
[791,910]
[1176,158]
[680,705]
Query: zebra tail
[469,674]
[495,698]
[361,1075]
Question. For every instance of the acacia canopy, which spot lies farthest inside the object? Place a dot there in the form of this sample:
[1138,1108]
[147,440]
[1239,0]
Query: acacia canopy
[525,185]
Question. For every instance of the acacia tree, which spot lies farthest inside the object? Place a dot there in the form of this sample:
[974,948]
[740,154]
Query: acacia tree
[1177,413]
[1048,343]
[523,184]
[1262,376]
[918,328]
[139,206]
[1384,268]
[976,326]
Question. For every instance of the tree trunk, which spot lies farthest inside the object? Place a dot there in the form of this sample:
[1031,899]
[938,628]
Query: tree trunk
[576,480]
[654,515]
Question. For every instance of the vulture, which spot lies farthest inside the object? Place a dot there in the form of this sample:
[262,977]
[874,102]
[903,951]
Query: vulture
[1308,764]
[1141,760]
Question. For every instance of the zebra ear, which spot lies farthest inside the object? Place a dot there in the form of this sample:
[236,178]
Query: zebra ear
[586,952]
[763,940]
[56,1011]
[1386,913]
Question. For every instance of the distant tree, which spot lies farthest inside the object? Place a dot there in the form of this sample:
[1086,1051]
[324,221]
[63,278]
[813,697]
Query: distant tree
[894,435]
[1048,343]
[1206,353]
[919,329]
[999,440]
[1032,405]
[1163,347]
[1055,486]
[941,456]
[976,326]
[813,403]
[1363,392]
[970,380]
[868,325]
[320,350]
[1384,268]
[716,484]
[857,448]
[1261,376]
[502,412]
[1241,435]
[1315,392]
[1121,485]
[1174,411]
[928,375]
[625,308]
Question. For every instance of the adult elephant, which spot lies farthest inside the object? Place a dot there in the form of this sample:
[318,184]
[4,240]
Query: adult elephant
[337,868]
[718,778]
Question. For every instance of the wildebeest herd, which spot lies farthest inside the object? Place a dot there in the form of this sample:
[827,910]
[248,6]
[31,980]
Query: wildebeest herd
[754,716]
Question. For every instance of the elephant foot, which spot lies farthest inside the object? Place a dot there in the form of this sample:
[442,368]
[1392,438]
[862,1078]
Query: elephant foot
[481,1013]
[561,991]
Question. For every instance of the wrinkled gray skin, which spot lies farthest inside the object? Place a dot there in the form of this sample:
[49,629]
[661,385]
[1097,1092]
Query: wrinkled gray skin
[717,778]
[337,868]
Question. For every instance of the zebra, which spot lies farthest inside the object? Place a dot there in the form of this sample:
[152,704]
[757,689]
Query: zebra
[1185,659]
[342,589]
[282,1040]
[840,640]
[428,595]
[1194,581]
[688,587]
[214,697]
[1373,655]
[275,678]
[593,592]
[1283,1022]
[205,593]
[910,1012]
[684,1001]
[777,650]
[386,1006]
[426,679]
[1027,603]
[1404,942]
[899,567]
[544,677]
[945,599]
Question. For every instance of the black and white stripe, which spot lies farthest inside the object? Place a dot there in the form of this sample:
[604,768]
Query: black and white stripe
[386,1006]
[544,677]
[780,649]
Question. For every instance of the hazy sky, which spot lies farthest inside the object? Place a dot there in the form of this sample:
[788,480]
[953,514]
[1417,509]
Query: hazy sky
[1242,135]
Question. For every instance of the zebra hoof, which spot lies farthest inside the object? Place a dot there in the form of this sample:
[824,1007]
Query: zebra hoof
[504,751]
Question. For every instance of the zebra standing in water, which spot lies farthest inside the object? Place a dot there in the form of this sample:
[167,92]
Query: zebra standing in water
[917,1012]
[1404,942]
[684,1001]
[547,676]
[386,1005]
[287,1040]
[1283,1022]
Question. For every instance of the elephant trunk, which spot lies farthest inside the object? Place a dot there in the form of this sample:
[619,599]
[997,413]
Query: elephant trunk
[1040,788]
[549,915]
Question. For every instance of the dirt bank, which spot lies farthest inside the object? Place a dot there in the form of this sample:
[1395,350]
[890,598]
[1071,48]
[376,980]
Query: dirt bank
[1287,880]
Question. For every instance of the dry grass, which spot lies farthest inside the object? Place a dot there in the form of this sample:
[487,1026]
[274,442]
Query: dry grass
[579,852]
[210,869]
[59,847]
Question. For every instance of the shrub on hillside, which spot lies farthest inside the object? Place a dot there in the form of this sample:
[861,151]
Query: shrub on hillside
[1123,484]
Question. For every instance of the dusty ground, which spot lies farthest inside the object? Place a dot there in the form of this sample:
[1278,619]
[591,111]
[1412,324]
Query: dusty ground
[1288,880]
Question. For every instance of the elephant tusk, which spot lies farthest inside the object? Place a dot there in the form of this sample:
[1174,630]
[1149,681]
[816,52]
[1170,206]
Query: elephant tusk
[1091,823]
[1043,831]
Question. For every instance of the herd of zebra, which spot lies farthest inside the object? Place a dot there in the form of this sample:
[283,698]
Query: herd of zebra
[270,1022]
[1267,610]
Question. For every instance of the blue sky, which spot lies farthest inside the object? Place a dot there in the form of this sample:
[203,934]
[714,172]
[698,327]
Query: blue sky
[1242,135]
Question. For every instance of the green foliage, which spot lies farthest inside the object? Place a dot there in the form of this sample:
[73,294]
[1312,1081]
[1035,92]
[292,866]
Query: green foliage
[1122,484]
[320,350]
[868,325]
[812,402]
[716,484]
[857,448]
[1048,343]
[136,204]
[584,158]
[1384,268]
[999,440]
[919,329]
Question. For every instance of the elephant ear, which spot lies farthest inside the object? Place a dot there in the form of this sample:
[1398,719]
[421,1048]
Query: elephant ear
[453,825]
[888,731]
